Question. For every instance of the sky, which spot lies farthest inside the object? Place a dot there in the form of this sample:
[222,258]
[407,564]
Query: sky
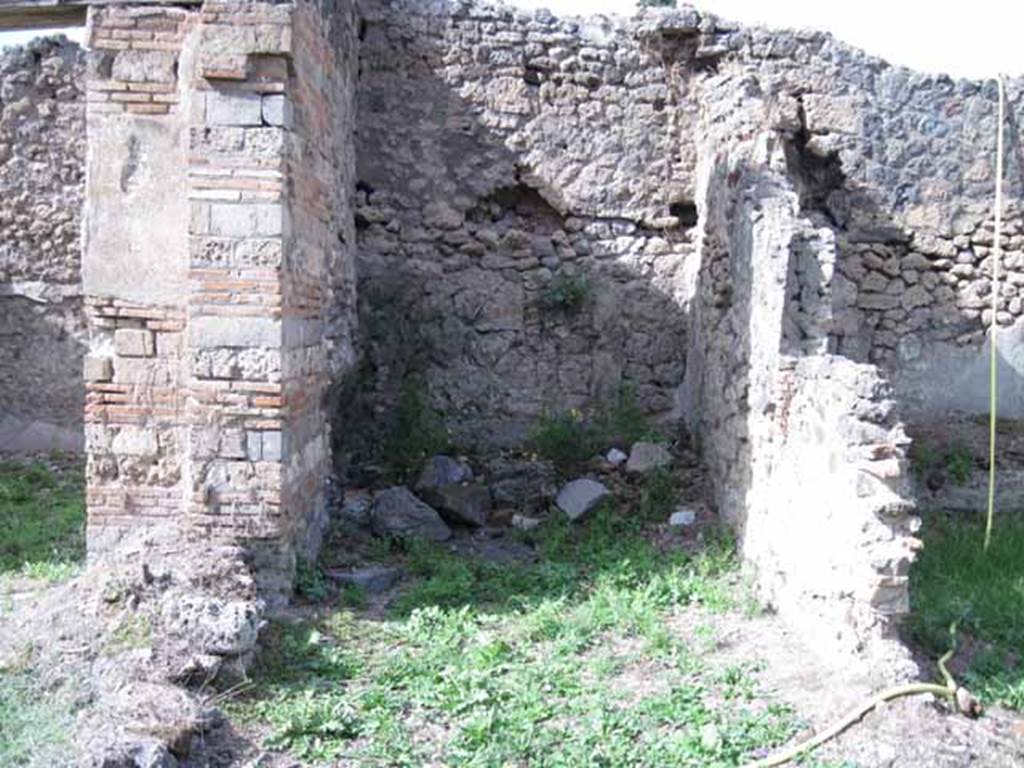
[976,39]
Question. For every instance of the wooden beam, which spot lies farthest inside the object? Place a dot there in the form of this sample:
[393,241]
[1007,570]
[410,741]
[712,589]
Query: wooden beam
[34,14]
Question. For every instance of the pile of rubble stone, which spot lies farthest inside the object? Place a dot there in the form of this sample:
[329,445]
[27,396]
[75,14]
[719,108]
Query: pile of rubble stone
[136,641]
[514,492]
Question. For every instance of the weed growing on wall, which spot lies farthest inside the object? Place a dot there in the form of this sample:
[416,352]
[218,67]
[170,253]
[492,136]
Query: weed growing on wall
[935,466]
[416,431]
[623,422]
[565,293]
[563,438]
[309,580]
[380,411]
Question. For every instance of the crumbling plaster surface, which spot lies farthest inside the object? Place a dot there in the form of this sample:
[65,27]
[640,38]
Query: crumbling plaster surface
[42,330]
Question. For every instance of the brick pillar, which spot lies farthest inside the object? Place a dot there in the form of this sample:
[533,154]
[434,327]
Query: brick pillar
[134,269]
[228,370]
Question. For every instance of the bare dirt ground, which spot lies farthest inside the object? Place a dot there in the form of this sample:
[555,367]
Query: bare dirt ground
[908,733]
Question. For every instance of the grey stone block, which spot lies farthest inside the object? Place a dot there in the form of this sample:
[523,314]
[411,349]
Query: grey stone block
[133,342]
[269,220]
[233,444]
[373,579]
[273,446]
[254,446]
[145,67]
[647,457]
[396,512]
[235,332]
[442,470]
[580,496]
[277,111]
[96,368]
[682,517]
[233,219]
[234,109]
[465,504]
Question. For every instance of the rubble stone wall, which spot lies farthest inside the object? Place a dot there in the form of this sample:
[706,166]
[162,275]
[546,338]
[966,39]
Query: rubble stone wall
[833,189]
[524,199]
[805,446]
[42,328]
[900,165]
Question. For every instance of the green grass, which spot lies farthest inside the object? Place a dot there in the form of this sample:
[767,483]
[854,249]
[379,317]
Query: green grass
[956,580]
[42,521]
[35,726]
[566,662]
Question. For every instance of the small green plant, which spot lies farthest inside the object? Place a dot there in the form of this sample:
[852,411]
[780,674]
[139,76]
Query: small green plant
[293,652]
[565,293]
[313,725]
[133,631]
[352,596]
[378,408]
[623,421]
[416,432]
[658,496]
[570,438]
[309,580]
[565,439]
[935,466]
[959,463]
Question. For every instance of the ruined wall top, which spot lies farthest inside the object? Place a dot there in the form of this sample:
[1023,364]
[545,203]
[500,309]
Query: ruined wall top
[917,148]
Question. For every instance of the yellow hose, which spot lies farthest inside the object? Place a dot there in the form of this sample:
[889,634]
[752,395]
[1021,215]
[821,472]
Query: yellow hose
[996,256]
[962,700]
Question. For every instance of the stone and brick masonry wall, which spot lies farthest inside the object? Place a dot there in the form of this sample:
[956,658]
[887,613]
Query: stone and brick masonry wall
[134,271]
[42,328]
[781,238]
[209,359]
[805,446]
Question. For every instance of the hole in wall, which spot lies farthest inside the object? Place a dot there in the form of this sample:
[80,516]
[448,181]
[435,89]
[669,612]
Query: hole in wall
[685,211]
[533,76]
[818,175]
[519,198]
